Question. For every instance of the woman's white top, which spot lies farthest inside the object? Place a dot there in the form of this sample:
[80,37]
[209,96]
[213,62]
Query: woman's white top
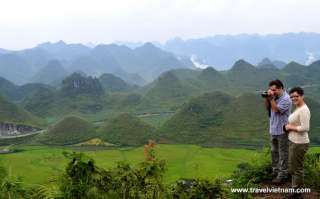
[300,118]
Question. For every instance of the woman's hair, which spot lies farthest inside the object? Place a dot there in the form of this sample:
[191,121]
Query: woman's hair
[298,90]
[276,83]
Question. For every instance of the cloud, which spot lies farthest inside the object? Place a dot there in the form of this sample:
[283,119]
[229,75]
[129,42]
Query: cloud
[311,58]
[194,59]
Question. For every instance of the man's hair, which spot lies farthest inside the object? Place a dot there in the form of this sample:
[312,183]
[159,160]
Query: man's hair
[276,83]
[298,90]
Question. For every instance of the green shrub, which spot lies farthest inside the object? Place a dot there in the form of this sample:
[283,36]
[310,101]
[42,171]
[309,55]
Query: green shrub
[249,175]
[79,178]
[84,180]
[253,174]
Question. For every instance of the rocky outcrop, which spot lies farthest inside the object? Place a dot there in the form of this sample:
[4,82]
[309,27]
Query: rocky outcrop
[76,84]
[11,129]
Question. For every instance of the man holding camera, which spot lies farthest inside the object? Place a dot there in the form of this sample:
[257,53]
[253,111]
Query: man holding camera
[278,103]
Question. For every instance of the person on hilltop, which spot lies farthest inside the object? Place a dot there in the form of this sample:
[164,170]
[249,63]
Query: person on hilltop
[298,127]
[278,103]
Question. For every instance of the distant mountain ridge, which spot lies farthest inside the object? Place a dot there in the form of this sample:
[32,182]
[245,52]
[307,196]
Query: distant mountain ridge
[143,62]
[267,63]
[3,51]
[50,74]
[136,66]
[177,86]
[220,51]
[166,93]
[14,68]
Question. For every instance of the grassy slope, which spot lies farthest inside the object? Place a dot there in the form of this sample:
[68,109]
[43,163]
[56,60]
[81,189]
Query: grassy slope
[69,130]
[126,129]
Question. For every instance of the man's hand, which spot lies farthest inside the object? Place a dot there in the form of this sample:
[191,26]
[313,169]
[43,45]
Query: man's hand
[271,94]
[271,98]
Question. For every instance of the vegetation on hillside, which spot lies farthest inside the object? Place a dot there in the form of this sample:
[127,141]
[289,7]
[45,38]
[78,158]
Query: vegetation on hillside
[11,113]
[126,130]
[70,130]
[112,83]
[217,118]
[239,121]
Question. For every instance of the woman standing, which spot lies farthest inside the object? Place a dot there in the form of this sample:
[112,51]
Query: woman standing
[298,127]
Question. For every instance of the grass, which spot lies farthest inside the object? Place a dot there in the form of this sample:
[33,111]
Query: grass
[36,165]
[40,165]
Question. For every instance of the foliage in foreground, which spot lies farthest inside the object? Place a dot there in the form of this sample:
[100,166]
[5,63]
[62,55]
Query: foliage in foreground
[249,175]
[83,180]
[312,171]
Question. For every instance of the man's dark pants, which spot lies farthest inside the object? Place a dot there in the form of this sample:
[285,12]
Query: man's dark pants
[279,155]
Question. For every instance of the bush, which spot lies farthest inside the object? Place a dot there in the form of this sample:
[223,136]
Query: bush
[80,177]
[255,172]
[84,180]
[249,175]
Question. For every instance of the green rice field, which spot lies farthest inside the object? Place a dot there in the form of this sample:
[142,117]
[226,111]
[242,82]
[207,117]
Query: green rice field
[42,164]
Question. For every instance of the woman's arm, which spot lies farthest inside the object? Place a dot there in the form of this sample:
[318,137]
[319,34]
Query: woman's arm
[304,117]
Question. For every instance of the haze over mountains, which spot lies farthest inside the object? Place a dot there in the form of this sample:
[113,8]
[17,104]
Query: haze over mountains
[125,96]
[221,51]
[139,63]
[58,60]
[200,102]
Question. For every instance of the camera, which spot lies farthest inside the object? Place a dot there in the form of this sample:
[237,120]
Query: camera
[264,94]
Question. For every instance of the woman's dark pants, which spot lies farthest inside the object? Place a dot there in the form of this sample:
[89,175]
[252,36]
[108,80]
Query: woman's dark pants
[296,158]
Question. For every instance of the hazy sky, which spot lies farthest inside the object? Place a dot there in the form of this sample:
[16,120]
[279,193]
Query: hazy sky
[25,23]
